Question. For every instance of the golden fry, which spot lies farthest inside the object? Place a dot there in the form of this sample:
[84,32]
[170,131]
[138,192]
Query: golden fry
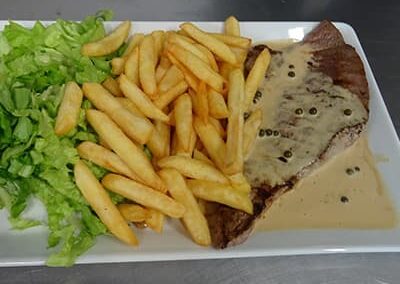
[132,155]
[198,155]
[136,95]
[216,105]
[221,193]
[104,158]
[234,41]
[190,78]
[129,105]
[70,107]
[147,65]
[158,38]
[155,220]
[172,77]
[133,42]
[166,98]
[193,168]
[198,67]
[101,203]
[112,86]
[117,65]
[133,212]
[234,141]
[250,131]
[193,219]
[215,45]
[137,128]
[159,140]
[240,183]
[231,26]
[200,107]
[132,66]
[143,195]
[210,57]
[255,77]
[218,126]
[162,68]
[182,42]
[183,120]
[108,44]
[212,141]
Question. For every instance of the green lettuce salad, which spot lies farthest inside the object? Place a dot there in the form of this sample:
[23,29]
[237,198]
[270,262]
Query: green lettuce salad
[35,63]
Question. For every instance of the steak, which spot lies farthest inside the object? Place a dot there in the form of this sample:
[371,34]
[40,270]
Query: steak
[334,69]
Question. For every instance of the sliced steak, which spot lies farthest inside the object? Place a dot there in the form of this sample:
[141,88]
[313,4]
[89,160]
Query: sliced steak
[335,82]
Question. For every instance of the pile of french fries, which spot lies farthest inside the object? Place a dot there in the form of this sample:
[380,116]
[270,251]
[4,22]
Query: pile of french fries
[183,95]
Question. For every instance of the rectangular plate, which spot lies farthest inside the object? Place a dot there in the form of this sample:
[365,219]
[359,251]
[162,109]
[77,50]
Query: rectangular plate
[29,247]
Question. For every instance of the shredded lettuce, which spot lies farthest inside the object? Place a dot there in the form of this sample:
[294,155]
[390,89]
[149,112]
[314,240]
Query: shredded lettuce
[35,63]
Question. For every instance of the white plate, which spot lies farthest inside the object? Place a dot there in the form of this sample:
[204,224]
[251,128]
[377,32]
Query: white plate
[29,247]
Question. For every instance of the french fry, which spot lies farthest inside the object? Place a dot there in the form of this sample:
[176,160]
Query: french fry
[255,77]
[166,98]
[159,140]
[108,44]
[155,220]
[172,77]
[198,67]
[117,65]
[104,143]
[193,168]
[233,41]
[212,141]
[216,105]
[193,218]
[101,203]
[221,193]
[234,134]
[171,115]
[200,106]
[147,65]
[231,26]
[143,195]
[137,128]
[129,105]
[112,86]
[183,120]
[105,158]
[133,212]
[241,55]
[140,99]
[132,66]
[215,45]
[250,130]
[225,69]
[132,155]
[162,68]
[70,107]
[158,38]
[177,148]
[190,78]
[133,42]
[198,155]
[209,55]
[217,125]
[240,183]
[182,42]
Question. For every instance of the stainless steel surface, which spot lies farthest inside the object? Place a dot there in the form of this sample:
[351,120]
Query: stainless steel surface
[378,26]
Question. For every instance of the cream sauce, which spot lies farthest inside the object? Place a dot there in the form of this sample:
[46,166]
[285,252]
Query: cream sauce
[346,192]
[304,109]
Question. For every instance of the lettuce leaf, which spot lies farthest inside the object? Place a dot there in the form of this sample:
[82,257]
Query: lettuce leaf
[35,63]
